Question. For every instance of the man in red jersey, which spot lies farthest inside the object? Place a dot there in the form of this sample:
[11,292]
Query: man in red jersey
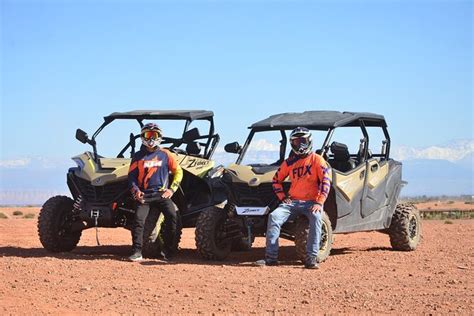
[148,178]
[310,180]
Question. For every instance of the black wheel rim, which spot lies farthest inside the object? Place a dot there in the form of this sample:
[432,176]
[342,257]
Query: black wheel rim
[220,234]
[413,227]
[324,237]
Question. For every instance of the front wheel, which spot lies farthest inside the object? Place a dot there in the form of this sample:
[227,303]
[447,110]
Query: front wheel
[405,229]
[211,241]
[301,237]
[55,225]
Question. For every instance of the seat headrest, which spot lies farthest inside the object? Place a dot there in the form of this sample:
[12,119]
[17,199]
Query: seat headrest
[193,148]
[340,151]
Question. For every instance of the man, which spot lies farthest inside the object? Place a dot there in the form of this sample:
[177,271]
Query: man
[310,184]
[148,179]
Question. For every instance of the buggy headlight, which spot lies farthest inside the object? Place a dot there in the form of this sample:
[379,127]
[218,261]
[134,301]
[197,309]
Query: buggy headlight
[216,172]
[79,163]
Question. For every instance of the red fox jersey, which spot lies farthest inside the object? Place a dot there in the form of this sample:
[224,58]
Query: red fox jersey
[149,171]
[310,178]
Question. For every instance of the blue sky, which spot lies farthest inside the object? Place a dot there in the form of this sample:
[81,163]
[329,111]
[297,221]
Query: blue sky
[66,64]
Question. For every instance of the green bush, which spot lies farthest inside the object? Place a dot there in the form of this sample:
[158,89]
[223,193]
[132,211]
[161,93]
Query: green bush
[450,202]
[29,215]
[17,213]
[448,222]
[3,216]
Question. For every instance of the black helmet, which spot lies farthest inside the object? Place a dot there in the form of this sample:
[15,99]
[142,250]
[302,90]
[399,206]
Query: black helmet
[301,141]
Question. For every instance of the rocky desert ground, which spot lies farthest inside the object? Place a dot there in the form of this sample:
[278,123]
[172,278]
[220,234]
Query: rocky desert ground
[362,275]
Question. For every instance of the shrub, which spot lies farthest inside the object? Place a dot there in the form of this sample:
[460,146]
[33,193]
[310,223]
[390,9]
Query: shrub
[3,216]
[29,215]
[450,202]
[448,222]
[17,213]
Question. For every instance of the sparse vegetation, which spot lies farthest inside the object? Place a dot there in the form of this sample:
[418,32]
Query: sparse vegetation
[448,222]
[469,202]
[450,202]
[17,213]
[3,216]
[29,215]
[453,214]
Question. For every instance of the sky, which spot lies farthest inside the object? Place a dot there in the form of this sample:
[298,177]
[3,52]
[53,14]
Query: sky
[66,64]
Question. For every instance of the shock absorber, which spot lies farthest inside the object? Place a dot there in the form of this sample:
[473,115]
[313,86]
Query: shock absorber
[77,204]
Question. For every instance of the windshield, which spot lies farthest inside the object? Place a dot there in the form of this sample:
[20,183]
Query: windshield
[265,146]
[115,136]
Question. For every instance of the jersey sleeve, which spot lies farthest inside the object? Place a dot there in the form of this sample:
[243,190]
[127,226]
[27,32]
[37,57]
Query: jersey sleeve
[176,170]
[133,175]
[325,178]
[278,178]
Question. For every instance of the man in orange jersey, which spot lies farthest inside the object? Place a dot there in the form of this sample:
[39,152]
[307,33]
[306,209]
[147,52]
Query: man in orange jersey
[148,178]
[310,180]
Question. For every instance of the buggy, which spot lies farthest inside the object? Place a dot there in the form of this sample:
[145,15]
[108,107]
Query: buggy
[364,194]
[99,185]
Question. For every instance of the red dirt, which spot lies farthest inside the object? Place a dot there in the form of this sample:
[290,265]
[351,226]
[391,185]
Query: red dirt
[363,275]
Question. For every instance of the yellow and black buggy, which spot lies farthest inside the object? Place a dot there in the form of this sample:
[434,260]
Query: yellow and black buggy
[363,197]
[99,185]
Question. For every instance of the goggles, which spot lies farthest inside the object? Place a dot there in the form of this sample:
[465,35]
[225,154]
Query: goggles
[150,135]
[298,141]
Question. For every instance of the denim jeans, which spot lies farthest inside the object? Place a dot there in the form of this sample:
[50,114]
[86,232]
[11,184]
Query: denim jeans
[285,212]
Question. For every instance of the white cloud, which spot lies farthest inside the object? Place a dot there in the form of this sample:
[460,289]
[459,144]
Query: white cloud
[263,145]
[15,163]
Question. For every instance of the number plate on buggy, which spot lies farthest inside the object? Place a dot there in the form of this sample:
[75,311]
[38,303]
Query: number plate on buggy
[251,210]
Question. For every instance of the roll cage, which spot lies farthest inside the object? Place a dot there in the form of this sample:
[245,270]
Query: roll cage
[321,121]
[189,136]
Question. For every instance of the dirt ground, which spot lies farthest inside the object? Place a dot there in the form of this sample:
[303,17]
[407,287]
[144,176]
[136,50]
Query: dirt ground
[362,275]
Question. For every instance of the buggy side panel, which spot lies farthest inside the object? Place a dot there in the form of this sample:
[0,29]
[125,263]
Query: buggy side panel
[375,193]
[348,189]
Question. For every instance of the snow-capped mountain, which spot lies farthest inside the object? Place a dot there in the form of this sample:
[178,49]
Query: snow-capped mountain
[452,151]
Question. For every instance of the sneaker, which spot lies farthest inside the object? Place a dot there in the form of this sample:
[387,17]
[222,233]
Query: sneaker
[266,262]
[136,256]
[311,263]
[165,255]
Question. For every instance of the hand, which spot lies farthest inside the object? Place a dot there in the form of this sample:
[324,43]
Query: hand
[316,208]
[138,195]
[286,201]
[167,194]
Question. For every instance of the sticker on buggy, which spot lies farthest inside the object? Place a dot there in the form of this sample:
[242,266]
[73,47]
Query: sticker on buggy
[251,210]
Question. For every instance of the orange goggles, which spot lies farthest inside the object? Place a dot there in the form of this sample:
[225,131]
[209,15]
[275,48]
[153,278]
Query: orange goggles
[150,135]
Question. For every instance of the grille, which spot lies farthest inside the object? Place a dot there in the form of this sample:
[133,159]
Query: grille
[100,194]
[245,195]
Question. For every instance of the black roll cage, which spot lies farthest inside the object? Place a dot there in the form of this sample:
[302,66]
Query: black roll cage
[326,144]
[209,146]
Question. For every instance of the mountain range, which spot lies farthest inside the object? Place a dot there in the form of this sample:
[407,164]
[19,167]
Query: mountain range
[446,169]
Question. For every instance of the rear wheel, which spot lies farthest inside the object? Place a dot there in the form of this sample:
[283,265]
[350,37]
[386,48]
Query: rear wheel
[210,234]
[301,237]
[55,225]
[405,229]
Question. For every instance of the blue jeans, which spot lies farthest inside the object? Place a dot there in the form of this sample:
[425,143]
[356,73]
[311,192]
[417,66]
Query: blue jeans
[285,212]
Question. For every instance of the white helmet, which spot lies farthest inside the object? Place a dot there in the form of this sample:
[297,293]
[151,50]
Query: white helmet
[151,135]
[301,141]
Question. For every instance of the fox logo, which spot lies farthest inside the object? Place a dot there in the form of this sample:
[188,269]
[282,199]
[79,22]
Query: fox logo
[301,171]
[152,163]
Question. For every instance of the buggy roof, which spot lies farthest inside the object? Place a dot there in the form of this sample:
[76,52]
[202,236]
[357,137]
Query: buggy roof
[318,120]
[162,114]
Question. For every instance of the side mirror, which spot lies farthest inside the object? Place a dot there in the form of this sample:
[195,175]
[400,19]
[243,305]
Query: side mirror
[82,136]
[233,148]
